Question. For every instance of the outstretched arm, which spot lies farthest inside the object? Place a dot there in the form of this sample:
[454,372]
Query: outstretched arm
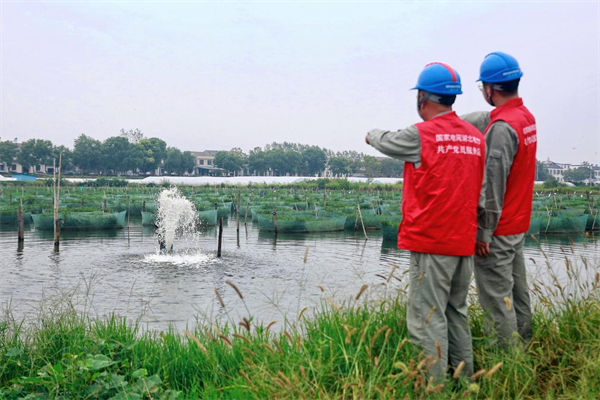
[404,145]
[479,119]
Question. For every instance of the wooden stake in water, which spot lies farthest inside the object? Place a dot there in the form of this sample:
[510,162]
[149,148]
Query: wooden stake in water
[246,216]
[143,205]
[220,237]
[275,228]
[238,211]
[56,202]
[20,223]
[361,221]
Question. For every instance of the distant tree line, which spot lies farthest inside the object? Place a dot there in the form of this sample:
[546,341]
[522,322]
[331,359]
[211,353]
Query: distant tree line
[304,160]
[133,153]
[130,152]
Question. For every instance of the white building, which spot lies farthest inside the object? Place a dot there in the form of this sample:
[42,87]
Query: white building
[557,170]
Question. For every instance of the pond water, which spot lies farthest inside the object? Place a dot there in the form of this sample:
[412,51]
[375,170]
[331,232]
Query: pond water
[120,271]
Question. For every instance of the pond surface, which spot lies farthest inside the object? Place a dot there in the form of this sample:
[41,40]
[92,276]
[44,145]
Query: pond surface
[121,271]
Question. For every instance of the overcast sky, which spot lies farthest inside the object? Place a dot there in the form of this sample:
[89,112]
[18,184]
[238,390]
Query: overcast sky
[222,75]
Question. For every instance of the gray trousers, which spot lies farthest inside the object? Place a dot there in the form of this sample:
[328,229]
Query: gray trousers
[437,310]
[503,275]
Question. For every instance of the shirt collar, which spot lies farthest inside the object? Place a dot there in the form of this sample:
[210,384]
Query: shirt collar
[443,113]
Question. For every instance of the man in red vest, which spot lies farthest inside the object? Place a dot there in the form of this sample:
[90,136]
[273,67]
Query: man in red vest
[505,206]
[443,173]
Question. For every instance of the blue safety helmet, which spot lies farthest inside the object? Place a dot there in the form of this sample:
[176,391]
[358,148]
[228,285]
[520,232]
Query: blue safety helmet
[499,67]
[439,78]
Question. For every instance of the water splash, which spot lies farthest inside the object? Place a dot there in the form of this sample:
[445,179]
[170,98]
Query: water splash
[175,215]
[180,259]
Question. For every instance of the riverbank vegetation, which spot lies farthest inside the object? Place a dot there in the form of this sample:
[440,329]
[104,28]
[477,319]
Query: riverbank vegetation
[332,349]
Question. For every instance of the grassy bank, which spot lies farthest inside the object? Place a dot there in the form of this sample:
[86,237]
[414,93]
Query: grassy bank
[355,349]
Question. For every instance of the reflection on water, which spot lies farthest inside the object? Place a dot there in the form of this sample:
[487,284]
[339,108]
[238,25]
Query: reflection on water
[123,273]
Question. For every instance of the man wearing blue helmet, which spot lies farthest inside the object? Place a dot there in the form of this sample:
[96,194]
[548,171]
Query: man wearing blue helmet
[443,172]
[505,206]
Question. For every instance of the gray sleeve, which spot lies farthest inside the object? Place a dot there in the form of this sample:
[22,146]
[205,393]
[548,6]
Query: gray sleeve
[479,119]
[404,145]
[502,144]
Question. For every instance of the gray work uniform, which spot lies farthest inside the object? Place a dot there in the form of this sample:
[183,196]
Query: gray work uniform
[438,284]
[502,274]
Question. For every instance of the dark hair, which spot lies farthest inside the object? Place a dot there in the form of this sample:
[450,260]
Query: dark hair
[447,100]
[508,87]
[443,99]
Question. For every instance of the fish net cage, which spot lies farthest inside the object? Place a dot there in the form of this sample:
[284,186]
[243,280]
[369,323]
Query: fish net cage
[563,223]
[389,228]
[300,223]
[94,220]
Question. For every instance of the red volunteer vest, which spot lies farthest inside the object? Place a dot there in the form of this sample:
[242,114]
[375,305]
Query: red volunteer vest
[439,204]
[516,212]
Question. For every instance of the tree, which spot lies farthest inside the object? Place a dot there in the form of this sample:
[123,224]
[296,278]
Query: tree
[580,175]
[257,161]
[132,135]
[372,166]
[87,153]
[231,161]
[34,152]
[541,171]
[392,168]
[155,150]
[188,162]
[8,151]
[173,161]
[115,152]
[67,157]
[135,160]
[551,182]
[179,162]
[340,166]
[314,159]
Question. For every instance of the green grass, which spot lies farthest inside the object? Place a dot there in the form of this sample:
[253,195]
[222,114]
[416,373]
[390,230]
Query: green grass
[356,349]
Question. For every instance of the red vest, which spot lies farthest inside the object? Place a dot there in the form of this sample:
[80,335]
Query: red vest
[439,204]
[516,212]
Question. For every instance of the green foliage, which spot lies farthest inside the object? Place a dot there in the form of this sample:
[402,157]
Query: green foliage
[314,159]
[115,154]
[154,151]
[34,152]
[372,166]
[579,175]
[179,162]
[8,151]
[231,161]
[340,166]
[87,153]
[541,172]
[392,168]
[106,182]
[358,348]
[551,182]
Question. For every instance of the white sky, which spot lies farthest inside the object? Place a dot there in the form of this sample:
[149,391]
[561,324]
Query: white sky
[222,75]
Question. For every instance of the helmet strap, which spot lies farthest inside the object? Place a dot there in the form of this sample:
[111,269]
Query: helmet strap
[420,103]
[489,97]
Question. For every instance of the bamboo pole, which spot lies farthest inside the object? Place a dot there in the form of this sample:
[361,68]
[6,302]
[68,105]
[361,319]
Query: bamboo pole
[361,221]
[54,207]
[57,199]
[237,209]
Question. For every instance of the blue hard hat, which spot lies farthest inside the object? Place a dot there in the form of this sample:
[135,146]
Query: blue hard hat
[439,78]
[499,67]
